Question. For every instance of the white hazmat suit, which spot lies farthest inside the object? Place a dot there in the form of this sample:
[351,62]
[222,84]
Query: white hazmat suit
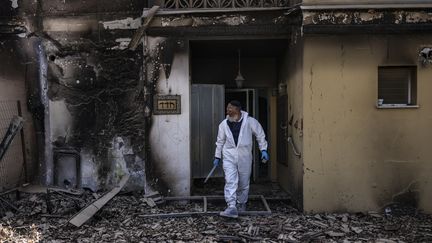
[237,160]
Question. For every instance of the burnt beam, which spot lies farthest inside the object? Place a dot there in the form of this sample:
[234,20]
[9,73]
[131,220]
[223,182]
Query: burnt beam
[245,30]
[140,32]
[14,127]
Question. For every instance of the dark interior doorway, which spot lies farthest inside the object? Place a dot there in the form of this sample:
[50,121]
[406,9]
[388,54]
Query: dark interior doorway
[216,62]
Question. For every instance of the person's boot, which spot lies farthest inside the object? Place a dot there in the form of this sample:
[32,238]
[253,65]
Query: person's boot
[241,207]
[230,212]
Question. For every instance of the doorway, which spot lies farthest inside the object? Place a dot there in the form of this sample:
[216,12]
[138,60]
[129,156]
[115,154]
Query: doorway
[217,62]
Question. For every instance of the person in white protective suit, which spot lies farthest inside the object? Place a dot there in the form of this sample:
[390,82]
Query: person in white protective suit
[234,145]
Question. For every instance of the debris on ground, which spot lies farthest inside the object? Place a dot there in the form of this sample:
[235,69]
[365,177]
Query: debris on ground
[86,213]
[119,221]
[152,199]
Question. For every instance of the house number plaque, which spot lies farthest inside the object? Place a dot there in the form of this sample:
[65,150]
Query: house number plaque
[166,104]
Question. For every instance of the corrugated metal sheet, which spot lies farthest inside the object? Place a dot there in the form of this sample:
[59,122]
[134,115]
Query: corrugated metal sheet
[12,165]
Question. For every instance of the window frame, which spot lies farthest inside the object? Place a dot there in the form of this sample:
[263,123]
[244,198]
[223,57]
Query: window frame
[411,89]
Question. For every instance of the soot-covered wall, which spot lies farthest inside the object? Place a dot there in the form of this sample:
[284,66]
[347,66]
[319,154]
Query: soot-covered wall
[96,107]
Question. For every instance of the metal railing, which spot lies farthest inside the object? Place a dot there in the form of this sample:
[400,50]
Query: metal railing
[223,4]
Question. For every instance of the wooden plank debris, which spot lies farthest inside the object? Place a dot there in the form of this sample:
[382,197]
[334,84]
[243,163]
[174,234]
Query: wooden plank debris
[170,215]
[14,127]
[85,214]
[152,199]
[230,238]
[250,238]
[150,202]
[152,194]
[133,44]
[8,204]
[44,189]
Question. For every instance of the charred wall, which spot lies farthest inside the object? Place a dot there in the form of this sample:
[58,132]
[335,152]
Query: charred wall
[101,103]
[100,91]
[78,85]
[94,88]
[100,98]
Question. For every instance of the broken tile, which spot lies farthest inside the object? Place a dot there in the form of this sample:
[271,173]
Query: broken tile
[357,230]
[385,241]
[392,227]
[319,224]
[345,228]
[344,218]
[9,214]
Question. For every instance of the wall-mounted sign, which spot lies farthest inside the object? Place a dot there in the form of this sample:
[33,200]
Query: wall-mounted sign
[166,104]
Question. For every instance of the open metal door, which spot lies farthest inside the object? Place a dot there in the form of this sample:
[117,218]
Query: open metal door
[207,111]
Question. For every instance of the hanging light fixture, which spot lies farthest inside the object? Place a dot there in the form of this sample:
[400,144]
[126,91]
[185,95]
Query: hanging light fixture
[239,79]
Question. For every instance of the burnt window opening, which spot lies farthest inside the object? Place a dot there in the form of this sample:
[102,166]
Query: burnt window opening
[397,85]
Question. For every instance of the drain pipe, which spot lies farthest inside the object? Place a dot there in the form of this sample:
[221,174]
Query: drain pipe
[291,141]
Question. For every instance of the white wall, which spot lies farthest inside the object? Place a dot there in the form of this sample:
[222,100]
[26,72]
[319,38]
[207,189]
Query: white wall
[170,134]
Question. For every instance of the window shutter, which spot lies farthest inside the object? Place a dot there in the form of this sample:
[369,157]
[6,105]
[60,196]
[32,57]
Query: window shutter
[396,85]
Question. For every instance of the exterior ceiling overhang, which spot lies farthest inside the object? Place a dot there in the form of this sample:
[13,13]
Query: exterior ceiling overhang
[269,23]
[276,18]
[71,19]
[166,23]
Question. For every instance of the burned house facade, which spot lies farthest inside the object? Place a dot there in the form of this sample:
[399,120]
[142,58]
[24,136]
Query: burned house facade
[138,88]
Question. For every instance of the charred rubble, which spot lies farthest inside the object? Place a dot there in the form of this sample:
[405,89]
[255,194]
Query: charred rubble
[39,218]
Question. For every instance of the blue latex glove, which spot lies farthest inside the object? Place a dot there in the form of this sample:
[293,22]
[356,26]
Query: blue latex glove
[216,162]
[264,155]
